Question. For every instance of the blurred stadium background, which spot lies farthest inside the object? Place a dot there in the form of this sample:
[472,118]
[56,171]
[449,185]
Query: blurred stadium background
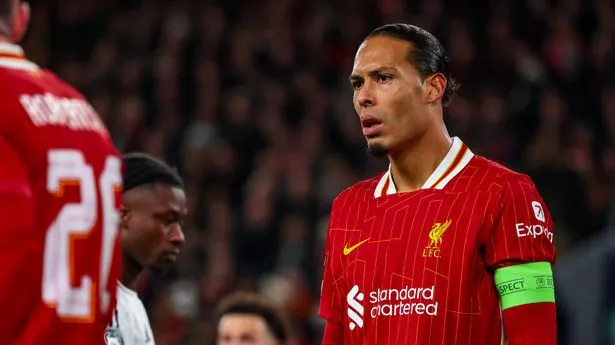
[250,100]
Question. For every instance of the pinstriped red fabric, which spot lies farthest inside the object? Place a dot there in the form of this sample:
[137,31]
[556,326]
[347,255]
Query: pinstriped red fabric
[417,268]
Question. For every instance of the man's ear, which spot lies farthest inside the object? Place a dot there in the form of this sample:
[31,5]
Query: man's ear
[124,216]
[435,87]
[21,20]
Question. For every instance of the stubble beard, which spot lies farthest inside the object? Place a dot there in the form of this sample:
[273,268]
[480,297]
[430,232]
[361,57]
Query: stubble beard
[377,150]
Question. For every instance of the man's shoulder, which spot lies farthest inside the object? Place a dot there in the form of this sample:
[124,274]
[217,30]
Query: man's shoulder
[129,305]
[126,293]
[490,175]
[40,79]
[34,94]
[132,317]
[41,101]
[19,75]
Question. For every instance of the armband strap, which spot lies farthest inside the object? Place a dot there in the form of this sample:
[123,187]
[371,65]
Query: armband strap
[525,284]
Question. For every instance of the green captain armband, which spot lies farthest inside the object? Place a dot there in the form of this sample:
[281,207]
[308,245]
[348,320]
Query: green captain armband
[525,284]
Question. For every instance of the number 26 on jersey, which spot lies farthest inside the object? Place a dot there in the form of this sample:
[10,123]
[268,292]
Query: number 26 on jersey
[77,220]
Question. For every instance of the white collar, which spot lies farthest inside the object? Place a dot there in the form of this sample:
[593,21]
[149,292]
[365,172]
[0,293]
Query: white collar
[457,158]
[12,57]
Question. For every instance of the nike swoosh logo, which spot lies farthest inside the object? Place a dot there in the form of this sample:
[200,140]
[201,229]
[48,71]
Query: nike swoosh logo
[348,250]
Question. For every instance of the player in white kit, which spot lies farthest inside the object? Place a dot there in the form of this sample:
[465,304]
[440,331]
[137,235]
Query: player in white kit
[154,205]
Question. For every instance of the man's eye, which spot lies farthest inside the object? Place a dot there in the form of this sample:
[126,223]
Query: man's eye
[356,84]
[384,78]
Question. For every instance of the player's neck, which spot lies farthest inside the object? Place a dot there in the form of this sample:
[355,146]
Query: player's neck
[5,36]
[411,168]
[130,269]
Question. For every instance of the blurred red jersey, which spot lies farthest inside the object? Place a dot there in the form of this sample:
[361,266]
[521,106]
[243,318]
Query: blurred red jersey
[60,190]
[417,268]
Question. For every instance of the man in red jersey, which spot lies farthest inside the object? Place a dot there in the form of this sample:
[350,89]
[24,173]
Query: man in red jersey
[60,190]
[445,247]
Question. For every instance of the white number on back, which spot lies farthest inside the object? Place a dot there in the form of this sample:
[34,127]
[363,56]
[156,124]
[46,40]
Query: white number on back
[76,220]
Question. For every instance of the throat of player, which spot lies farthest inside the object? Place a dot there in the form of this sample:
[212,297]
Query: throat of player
[130,268]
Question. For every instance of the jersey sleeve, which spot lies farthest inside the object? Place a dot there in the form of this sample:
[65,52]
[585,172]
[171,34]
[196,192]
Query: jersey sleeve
[519,229]
[329,308]
[19,247]
[520,253]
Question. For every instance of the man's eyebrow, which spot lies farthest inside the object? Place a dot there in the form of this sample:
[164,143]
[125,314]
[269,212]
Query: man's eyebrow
[371,73]
[354,77]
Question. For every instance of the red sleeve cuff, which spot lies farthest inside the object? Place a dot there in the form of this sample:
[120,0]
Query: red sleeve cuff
[531,324]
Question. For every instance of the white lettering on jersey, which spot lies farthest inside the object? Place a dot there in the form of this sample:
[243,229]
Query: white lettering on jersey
[51,110]
[390,302]
[533,231]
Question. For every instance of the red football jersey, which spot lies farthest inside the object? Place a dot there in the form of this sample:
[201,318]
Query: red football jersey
[417,268]
[60,192]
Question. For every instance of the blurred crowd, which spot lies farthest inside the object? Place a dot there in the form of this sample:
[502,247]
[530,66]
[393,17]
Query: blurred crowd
[250,101]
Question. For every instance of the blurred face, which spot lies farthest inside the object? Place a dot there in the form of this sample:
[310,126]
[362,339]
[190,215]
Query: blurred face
[151,225]
[243,329]
[389,96]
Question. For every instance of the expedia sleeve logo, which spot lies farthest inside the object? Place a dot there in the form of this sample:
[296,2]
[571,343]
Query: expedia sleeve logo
[539,213]
[537,229]
[534,231]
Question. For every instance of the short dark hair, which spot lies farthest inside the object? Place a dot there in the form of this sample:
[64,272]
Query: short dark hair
[253,304]
[6,9]
[427,54]
[142,169]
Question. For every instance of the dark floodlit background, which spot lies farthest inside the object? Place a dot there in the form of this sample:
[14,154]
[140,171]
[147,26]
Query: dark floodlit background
[250,100]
